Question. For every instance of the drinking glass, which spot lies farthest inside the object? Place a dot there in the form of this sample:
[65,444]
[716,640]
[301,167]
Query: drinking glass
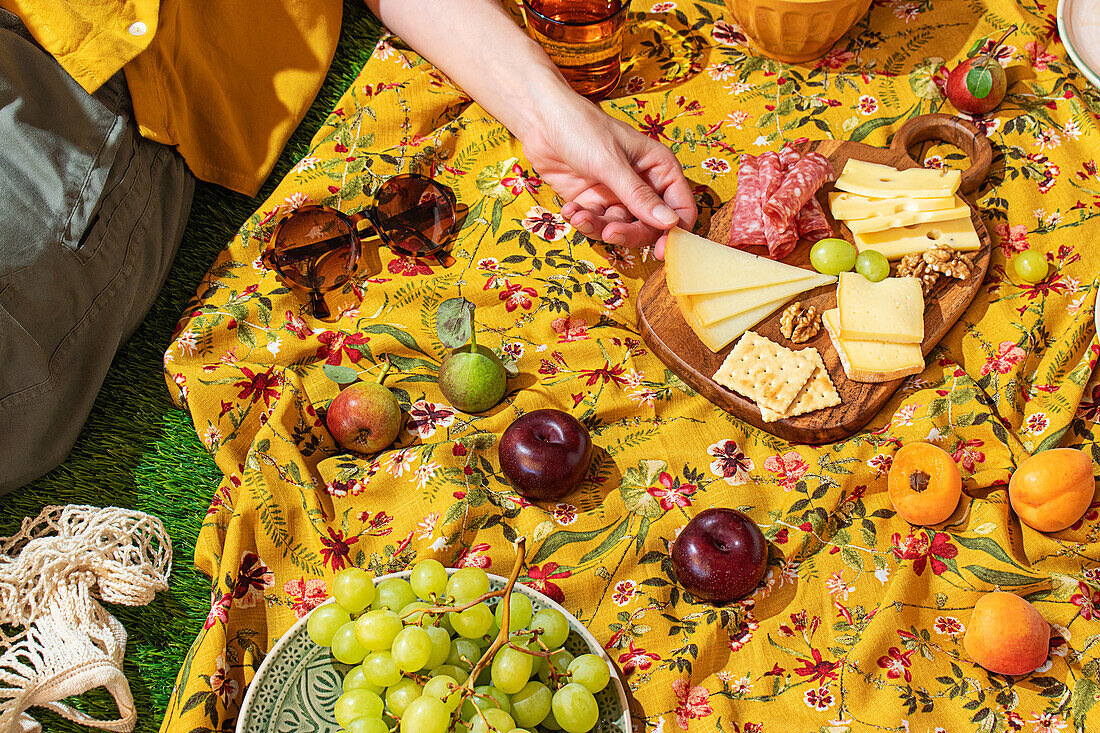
[584,39]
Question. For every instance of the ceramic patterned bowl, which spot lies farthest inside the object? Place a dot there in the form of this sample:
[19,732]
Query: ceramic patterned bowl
[796,30]
[1079,29]
[296,686]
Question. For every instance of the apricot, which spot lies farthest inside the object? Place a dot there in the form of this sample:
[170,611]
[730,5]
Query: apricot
[924,484]
[1006,634]
[1053,489]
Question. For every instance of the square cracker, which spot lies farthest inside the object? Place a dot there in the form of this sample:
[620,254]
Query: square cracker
[767,373]
[817,394]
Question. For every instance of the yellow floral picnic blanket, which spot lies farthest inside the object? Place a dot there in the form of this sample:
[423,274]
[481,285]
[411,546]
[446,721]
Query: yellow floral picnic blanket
[860,624]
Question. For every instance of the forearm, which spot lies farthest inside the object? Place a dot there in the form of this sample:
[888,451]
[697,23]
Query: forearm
[480,47]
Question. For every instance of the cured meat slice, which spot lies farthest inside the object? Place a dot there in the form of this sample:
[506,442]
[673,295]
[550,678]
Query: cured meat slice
[811,221]
[747,226]
[782,237]
[800,184]
[788,156]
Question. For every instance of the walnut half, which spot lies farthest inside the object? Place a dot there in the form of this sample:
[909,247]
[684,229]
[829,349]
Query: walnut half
[914,265]
[798,323]
[942,258]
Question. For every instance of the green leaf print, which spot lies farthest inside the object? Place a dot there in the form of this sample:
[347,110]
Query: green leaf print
[635,488]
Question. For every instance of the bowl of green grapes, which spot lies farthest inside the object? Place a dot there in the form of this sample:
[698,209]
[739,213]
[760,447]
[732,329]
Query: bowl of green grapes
[422,651]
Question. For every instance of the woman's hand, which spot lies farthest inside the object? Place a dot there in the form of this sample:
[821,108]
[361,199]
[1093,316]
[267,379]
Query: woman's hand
[621,186]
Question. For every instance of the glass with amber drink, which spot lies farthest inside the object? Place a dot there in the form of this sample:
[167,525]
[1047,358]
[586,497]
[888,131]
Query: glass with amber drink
[584,39]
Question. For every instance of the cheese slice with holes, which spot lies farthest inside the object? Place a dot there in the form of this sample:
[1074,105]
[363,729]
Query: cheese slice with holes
[872,361]
[959,234]
[883,181]
[909,218]
[713,307]
[847,206]
[718,335]
[694,265]
[891,310]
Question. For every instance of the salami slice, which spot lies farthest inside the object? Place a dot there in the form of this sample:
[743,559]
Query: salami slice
[788,156]
[799,185]
[747,226]
[811,221]
[780,238]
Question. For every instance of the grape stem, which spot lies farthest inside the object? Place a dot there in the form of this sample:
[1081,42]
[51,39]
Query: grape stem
[502,635]
[435,610]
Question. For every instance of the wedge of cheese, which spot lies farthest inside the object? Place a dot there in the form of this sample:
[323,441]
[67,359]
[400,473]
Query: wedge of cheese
[694,266]
[847,206]
[891,310]
[872,361]
[883,181]
[714,307]
[718,335]
[909,218]
[895,243]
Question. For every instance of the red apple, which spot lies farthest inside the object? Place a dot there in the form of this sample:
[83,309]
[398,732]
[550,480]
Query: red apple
[545,454]
[364,417]
[720,556]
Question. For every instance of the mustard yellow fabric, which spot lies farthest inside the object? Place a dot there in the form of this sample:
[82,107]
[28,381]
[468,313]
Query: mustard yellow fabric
[225,83]
[860,623]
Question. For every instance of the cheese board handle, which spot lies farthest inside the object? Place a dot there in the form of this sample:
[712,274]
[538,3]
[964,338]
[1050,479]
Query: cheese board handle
[954,130]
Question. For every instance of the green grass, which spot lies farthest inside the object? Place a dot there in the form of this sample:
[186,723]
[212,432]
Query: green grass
[138,451]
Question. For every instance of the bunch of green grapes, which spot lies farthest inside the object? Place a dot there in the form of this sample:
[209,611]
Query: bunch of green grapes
[413,663]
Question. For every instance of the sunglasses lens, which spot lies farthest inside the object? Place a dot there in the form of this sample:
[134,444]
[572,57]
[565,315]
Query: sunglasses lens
[416,213]
[316,249]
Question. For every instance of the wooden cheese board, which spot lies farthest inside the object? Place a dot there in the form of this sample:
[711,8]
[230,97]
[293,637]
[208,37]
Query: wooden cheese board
[663,326]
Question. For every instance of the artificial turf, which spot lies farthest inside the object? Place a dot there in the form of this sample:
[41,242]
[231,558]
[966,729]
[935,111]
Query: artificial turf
[139,451]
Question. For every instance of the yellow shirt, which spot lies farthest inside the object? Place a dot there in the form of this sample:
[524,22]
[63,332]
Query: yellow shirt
[224,81]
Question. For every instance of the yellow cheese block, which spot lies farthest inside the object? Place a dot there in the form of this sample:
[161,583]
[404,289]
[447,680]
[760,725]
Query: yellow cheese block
[959,234]
[847,206]
[891,310]
[694,265]
[718,335]
[883,181]
[909,218]
[714,307]
[872,361]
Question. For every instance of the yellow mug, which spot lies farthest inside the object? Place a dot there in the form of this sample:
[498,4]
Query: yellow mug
[796,30]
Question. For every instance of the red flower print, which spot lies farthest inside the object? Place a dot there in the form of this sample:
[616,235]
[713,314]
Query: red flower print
[565,514]
[671,492]
[570,328]
[334,344]
[1008,355]
[819,698]
[818,668]
[788,467]
[949,626]
[966,456]
[1013,238]
[296,325]
[516,295]
[474,557]
[730,464]
[636,658]
[219,609]
[541,579]
[253,578]
[1088,600]
[409,266]
[921,552]
[305,595]
[624,592]
[226,689]
[743,634]
[607,374]
[425,417]
[836,58]
[336,549]
[897,663]
[694,702]
[654,126]
[728,34]
[545,223]
[548,368]
[518,181]
[259,386]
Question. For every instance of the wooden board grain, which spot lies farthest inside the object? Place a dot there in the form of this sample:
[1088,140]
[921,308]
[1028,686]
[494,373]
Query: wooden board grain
[672,340]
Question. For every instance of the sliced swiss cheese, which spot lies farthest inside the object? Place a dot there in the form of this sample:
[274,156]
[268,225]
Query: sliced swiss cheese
[891,310]
[847,206]
[694,265]
[910,218]
[872,361]
[714,307]
[895,243]
[883,181]
[718,335]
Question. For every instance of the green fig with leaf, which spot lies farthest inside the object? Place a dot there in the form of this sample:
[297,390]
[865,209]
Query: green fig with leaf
[471,377]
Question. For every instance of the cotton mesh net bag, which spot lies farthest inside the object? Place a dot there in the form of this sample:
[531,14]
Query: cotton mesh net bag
[56,640]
